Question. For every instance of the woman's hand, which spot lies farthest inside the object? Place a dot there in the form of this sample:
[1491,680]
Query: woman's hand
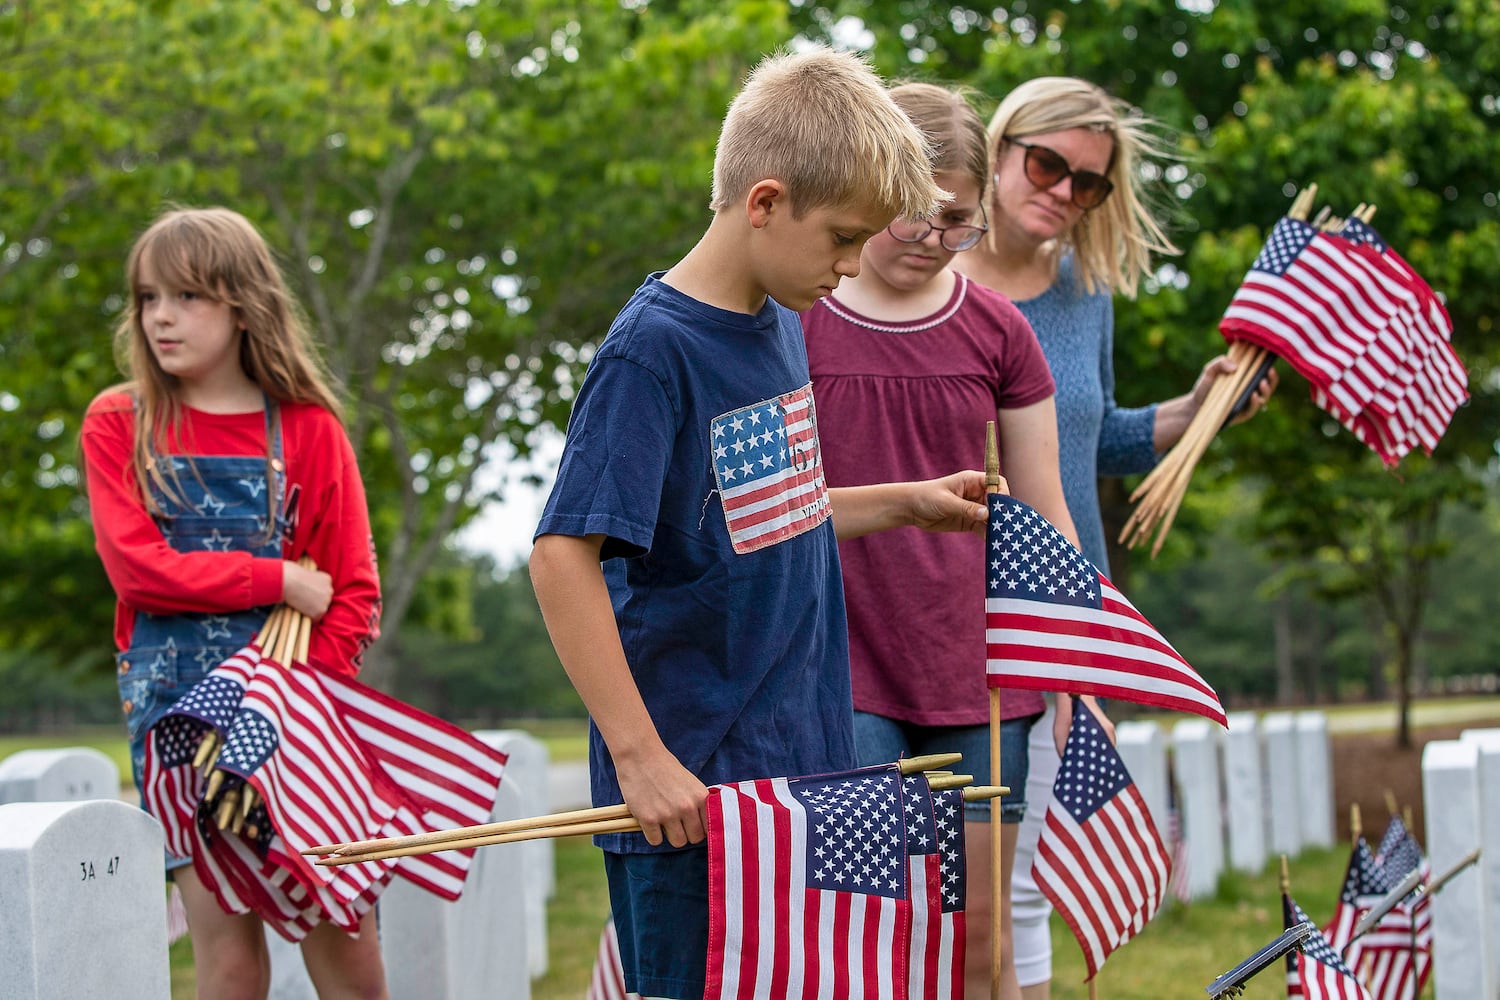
[309,591]
[948,504]
[1223,366]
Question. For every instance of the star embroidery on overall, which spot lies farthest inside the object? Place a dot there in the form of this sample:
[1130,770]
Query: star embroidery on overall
[216,627]
[217,542]
[211,505]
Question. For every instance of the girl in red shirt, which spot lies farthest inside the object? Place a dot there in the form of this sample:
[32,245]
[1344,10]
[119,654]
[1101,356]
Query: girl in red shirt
[220,462]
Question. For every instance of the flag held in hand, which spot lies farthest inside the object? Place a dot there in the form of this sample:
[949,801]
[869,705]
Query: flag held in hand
[1054,623]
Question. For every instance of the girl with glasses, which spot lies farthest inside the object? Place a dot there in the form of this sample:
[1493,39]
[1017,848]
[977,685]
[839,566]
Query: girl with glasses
[1068,229]
[909,360]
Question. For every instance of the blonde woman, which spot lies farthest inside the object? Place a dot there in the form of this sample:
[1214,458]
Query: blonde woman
[1069,228]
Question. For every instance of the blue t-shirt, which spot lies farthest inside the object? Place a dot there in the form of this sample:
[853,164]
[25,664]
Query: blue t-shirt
[693,448]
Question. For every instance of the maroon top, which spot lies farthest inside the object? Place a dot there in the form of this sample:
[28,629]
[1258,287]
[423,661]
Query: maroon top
[907,401]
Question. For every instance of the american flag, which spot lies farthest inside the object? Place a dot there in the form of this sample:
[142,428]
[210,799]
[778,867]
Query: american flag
[935,852]
[1396,954]
[172,786]
[808,892]
[1316,972]
[1054,623]
[769,470]
[607,982]
[1361,325]
[1099,859]
[332,761]
[319,786]
[1364,883]
[446,776]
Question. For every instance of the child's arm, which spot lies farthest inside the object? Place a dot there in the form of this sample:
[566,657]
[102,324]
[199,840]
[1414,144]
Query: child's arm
[145,571]
[333,528]
[953,503]
[665,797]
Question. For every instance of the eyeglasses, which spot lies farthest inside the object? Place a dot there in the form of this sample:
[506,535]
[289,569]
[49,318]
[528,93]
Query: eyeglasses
[1045,167]
[955,239]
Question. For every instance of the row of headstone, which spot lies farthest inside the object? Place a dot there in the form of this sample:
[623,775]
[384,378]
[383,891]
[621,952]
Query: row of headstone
[1461,803]
[1264,786]
[85,906]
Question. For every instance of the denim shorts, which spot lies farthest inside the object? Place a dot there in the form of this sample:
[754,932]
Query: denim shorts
[660,904]
[878,740]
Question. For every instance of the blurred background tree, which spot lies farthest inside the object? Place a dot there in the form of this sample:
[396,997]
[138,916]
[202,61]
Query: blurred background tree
[465,194]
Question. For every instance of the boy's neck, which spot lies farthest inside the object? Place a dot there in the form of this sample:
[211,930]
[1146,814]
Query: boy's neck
[717,270]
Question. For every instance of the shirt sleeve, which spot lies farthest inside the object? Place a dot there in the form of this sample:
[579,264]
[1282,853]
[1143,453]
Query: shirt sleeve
[1125,436]
[615,459]
[144,570]
[333,529]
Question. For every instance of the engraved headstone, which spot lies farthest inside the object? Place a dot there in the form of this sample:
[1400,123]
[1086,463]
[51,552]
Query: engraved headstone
[1143,749]
[1488,742]
[472,949]
[66,774]
[1195,765]
[1283,811]
[1243,793]
[528,761]
[1450,799]
[1315,779]
[83,906]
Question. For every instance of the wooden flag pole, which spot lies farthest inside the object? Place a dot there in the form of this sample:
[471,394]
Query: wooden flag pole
[997,884]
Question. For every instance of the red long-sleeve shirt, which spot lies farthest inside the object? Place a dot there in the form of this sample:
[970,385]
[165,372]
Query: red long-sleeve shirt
[333,526]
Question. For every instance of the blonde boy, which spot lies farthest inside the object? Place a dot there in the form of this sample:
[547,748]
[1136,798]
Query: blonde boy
[686,563]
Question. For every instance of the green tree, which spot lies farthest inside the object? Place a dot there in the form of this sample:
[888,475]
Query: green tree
[464,193]
[1375,101]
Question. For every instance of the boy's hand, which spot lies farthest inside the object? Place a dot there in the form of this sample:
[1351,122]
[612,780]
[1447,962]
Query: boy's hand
[665,798]
[953,503]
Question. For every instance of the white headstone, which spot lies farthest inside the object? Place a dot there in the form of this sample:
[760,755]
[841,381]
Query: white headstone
[83,903]
[529,763]
[1283,810]
[1244,793]
[1450,800]
[67,774]
[1315,780]
[289,978]
[1143,749]
[1195,766]
[472,949]
[1488,742]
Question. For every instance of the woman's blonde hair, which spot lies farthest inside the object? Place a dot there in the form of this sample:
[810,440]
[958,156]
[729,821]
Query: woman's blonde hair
[219,254]
[821,122]
[1112,244]
[955,130]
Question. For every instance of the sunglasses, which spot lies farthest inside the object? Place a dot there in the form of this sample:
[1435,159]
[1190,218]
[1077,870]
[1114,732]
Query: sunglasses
[1045,167]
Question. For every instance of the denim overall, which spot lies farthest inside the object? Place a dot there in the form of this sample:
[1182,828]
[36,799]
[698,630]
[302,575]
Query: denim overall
[222,508]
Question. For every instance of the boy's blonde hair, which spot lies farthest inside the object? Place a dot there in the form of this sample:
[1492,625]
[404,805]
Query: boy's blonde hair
[1112,244]
[953,129]
[821,122]
[218,254]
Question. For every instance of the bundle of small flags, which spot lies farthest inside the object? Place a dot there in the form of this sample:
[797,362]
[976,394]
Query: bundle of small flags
[1332,299]
[1340,306]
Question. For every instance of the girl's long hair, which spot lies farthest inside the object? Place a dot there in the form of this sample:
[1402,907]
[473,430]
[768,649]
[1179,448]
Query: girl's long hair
[1112,244]
[219,254]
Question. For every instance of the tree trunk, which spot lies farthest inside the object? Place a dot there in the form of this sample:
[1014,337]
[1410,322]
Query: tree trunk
[1286,676]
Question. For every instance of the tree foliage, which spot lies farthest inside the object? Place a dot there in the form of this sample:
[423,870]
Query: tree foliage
[465,193]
